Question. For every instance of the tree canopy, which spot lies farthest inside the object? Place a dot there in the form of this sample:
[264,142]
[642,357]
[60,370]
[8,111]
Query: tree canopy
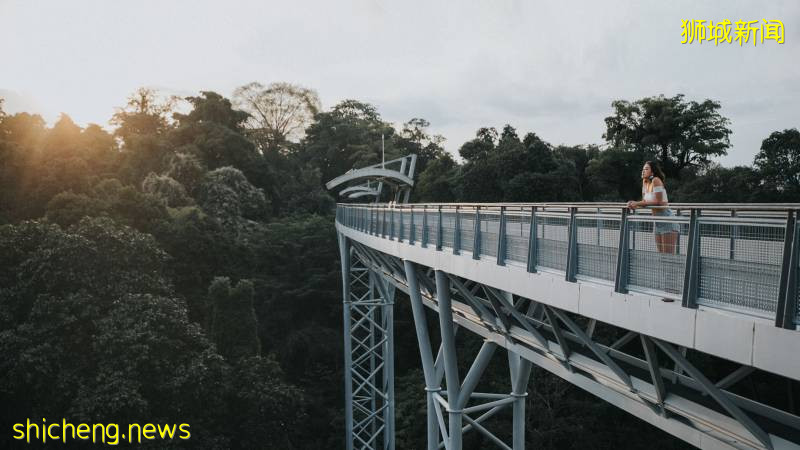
[677,132]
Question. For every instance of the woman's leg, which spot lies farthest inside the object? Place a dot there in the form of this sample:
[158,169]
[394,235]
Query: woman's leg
[668,241]
[660,243]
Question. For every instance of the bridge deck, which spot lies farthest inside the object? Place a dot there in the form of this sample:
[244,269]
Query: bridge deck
[732,271]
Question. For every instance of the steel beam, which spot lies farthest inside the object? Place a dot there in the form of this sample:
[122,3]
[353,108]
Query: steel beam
[450,361]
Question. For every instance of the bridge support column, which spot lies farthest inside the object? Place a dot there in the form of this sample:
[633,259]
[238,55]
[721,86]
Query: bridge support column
[344,257]
[520,373]
[459,393]
[367,312]
[432,386]
[450,360]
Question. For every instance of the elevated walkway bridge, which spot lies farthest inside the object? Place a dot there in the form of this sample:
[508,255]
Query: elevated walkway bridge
[540,280]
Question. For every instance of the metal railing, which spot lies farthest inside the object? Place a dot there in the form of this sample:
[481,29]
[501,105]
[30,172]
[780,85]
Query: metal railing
[737,257]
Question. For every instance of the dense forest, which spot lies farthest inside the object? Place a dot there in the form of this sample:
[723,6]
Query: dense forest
[182,267]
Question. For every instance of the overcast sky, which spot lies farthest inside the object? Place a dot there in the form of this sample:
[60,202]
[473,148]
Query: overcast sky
[547,67]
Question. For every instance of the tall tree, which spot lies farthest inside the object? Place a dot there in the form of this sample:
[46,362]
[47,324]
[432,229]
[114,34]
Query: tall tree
[213,108]
[615,173]
[146,113]
[348,136]
[513,169]
[213,132]
[64,139]
[576,159]
[778,162]
[20,138]
[416,139]
[279,113]
[142,125]
[679,133]
[718,184]
[437,183]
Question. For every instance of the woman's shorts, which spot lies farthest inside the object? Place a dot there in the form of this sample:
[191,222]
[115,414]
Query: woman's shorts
[665,227]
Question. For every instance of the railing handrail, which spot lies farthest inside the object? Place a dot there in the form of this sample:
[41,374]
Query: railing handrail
[618,205]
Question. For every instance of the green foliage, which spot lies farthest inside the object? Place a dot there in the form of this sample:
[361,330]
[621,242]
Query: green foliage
[139,210]
[63,140]
[99,149]
[680,133]
[110,198]
[279,113]
[778,162]
[186,169]
[297,258]
[268,411]
[234,321]
[200,249]
[415,139]
[410,410]
[212,132]
[616,173]
[438,182]
[172,192]
[53,176]
[24,129]
[724,185]
[145,114]
[142,155]
[211,107]
[226,193]
[68,208]
[348,136]
[514,170]
[575,164]
[96,256]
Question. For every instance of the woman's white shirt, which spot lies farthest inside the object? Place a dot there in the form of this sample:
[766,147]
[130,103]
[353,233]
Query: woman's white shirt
[651,196]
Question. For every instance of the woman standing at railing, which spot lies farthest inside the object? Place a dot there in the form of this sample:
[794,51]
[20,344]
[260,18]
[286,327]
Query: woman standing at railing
[654,193]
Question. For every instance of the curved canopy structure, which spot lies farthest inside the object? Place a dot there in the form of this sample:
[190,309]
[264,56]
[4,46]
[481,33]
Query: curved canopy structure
[397,173]
[370,173]
[358,189]
[359,194]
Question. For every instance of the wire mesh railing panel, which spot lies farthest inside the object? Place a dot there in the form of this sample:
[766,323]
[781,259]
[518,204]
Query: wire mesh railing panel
[466,224]
[552,241]
[419,218]
[796,270]
[598,245]
[406,229]
[740,266]
[372,222]
[380,217]
[657,255]
[739,256]
[448,228]
[518,230]
[797,297]
[432,230]
[490,231]
[397,218]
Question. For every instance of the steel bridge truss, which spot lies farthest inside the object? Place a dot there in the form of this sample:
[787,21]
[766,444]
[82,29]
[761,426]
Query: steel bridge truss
[650,378]
[369,353]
